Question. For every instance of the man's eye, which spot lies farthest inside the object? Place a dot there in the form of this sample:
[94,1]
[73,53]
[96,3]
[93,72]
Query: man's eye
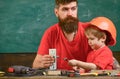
[64,9]
[73,8]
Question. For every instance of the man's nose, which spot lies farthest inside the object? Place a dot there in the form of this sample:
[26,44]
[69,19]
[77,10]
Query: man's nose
[69,12]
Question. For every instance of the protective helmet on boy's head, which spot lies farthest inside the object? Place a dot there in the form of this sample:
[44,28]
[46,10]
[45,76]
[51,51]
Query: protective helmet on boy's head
[105,24]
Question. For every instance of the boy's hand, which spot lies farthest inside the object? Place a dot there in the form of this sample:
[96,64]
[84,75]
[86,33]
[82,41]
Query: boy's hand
[73,62]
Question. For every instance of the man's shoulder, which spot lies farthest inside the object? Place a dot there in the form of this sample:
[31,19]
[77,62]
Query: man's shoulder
[84,24]
[54,29]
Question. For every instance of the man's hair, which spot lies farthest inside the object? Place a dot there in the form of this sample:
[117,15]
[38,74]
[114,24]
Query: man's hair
[58,2]
[97,33]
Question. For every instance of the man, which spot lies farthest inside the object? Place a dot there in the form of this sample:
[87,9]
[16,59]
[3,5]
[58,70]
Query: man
[67,37]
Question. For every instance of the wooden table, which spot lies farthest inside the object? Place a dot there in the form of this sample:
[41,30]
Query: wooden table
[61,77]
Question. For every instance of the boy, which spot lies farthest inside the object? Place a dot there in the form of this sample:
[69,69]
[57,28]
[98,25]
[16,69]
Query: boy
[100,33]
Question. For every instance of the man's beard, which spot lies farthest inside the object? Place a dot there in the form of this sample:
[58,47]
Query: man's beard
[69,24]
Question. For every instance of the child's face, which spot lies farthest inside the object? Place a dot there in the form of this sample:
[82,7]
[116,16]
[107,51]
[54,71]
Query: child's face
[94,42]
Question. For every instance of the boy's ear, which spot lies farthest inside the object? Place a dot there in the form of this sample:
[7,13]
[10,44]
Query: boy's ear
[104,38]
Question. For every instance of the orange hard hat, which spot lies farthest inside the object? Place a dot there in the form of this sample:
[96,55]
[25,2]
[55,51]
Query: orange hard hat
[105,24]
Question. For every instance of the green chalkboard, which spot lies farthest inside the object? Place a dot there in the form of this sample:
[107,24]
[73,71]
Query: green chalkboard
[23,22]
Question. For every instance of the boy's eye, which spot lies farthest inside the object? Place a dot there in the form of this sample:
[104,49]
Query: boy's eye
[91,38]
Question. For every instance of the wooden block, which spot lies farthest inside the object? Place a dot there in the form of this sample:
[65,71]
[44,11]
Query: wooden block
[104,71]
[53,72]
[88,74]
[2,73]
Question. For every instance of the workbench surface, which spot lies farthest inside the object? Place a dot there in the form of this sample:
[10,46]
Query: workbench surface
[61,77]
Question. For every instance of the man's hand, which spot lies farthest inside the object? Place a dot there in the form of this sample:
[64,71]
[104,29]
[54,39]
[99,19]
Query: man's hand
[44,61]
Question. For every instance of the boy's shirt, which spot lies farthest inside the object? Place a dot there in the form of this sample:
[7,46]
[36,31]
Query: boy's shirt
[103,58]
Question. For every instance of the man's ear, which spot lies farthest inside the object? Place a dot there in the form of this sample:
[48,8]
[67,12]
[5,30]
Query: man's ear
[56,12]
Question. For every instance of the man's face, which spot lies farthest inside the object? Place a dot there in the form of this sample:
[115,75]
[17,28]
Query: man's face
[67,15]
[67,10]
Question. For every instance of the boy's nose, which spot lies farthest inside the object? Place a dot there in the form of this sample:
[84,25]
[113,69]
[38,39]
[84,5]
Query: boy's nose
[89,42]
